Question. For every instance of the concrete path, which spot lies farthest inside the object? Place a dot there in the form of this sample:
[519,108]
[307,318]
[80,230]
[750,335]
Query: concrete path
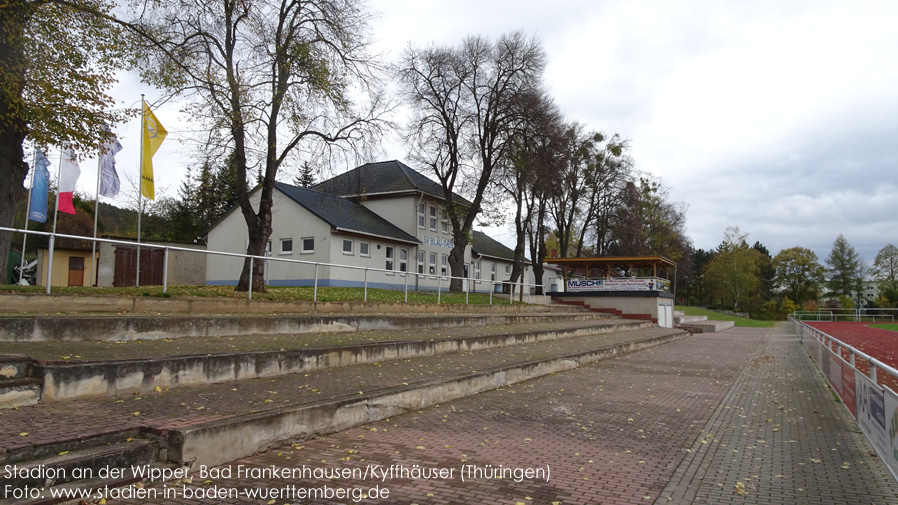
[736,417]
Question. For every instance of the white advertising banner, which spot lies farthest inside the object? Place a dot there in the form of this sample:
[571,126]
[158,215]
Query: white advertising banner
[625,284]
[871,416]
[891,457]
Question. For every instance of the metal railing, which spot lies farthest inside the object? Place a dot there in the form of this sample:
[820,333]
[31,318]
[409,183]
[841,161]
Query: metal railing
[803,329]
[873,315]
[870,397]
[516,289]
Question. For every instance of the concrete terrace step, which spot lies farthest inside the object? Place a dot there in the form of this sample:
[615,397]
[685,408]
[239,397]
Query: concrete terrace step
[707,326]
[67,380]
[20,303]
[221,422]
[683,319]
[18,386]
[117,328]
[86,471]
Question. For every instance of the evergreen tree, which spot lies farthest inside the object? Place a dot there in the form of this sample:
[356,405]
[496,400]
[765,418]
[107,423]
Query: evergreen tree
[306,176]
[844,268]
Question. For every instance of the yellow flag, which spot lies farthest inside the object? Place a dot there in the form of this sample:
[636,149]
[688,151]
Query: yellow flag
[153,135]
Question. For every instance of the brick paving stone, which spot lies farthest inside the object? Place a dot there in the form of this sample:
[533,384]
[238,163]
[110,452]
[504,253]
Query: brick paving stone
[612,432]
[783,435]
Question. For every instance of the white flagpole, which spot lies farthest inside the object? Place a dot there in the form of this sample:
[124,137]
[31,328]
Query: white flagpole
[143,125]
[93,251]
[27,215]
[55,214]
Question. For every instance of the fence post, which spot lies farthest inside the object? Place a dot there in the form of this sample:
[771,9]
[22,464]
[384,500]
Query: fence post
[439,288]
[366,284]
[250,292]
[315,289]
[165,271]
[872,371]
[50,263]
[406,287]
[491,292]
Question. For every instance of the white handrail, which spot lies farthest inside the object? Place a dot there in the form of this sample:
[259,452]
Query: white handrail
[252,258]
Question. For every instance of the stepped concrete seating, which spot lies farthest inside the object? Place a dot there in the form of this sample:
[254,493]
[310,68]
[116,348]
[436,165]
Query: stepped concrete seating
[149,418]
[603,310]
[700,324]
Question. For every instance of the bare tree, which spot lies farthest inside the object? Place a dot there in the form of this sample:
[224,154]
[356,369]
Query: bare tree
[527,174]
[266,78]
[462,102]
[588,186]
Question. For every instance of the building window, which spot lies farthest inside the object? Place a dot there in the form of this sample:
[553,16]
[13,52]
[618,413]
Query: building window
[433,263]
[507,269]
[403,260]
[433,218]
[389,258]
[308,245]
[444,261]
[444,220]
[364,249]
[420,262]
[347,246]
[477,269]
[492,271]
[286,246]
[420,215]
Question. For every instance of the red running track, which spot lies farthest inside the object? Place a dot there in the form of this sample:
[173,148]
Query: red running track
[877,342]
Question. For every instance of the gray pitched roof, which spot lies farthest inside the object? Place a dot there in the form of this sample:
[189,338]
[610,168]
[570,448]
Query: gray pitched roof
[383,177]
[487,246]
[343,214]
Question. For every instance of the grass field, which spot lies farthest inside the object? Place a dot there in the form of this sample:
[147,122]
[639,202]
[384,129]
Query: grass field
[717,316]
[325,294]
[892,326]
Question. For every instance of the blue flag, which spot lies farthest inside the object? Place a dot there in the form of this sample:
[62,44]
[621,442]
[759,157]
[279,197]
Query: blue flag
[39,188]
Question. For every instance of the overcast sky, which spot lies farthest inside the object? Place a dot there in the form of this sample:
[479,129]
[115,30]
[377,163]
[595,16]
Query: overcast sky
[780,118]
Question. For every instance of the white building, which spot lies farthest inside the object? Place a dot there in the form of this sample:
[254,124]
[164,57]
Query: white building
[380,216]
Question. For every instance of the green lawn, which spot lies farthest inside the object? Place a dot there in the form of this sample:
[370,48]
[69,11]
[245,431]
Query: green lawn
[717,316]
[325,294]
[892,326]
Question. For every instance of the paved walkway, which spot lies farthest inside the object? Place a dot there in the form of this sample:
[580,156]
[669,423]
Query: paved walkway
[736,417]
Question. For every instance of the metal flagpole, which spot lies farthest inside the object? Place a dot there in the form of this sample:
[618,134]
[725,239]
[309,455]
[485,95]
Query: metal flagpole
[55,214]
[93,251]
[27,212]
[143,125]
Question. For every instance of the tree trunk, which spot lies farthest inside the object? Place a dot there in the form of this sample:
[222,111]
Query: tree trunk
[13,128]
[457,262]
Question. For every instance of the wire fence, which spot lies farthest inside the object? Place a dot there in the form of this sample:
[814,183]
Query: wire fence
[517,289]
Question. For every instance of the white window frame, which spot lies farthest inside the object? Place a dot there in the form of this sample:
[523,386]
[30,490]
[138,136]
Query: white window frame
[507,269]
[421,255]
[433,218]
[403,260]
[444,220]
[433,263]
[390,258]
[493,271]
[421,218]
[477,270]
[365,249]
[286,252]
[444,265]
[349,241]
[303,242]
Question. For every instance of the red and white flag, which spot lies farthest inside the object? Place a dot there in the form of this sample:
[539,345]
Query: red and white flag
[69,171]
